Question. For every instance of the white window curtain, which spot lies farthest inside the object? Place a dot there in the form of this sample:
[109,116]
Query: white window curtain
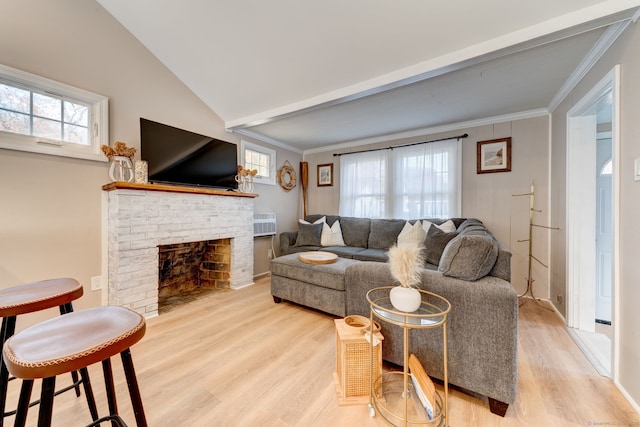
[426,180]
[363,184]
[417,181]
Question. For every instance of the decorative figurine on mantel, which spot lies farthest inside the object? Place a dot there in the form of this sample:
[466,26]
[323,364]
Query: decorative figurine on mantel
[121,157]
[244,178]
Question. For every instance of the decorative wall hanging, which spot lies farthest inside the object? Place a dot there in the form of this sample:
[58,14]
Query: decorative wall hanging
[494,156]
[325,175]
[287,176]
[304,182]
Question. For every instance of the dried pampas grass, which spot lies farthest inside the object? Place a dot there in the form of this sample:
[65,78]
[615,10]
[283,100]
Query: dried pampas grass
[406,264]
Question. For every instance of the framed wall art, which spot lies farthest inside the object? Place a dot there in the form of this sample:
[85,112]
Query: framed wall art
[325,175]
[494,155]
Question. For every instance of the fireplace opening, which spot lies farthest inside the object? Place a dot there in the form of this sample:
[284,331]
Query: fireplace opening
[187,271]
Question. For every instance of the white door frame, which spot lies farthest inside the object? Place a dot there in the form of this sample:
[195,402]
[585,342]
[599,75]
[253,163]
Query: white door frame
[580,215]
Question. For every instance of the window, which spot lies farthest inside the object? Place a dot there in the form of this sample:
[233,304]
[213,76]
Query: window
[417,181]
[254,156]
[43,116]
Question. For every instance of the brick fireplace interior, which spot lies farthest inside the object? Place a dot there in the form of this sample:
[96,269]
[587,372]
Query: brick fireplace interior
[186,271]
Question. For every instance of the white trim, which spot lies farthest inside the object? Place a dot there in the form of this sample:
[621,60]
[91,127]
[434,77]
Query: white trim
[617,165]
[602,45]
[610,82]
[545,32]
[268,140]
[98,120]
[269,180]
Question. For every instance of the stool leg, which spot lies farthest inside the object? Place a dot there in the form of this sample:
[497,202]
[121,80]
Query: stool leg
[23,403]
[64,309]
[88,392]
[134,390]
[110,389]
[8,328]
[46,401]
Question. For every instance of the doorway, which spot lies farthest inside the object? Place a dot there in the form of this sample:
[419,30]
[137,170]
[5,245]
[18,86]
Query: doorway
[592,212]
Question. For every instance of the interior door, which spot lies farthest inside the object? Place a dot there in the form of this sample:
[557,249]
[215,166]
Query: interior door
[604,235]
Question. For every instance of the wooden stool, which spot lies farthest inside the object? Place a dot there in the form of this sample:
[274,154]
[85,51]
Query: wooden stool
[29,298]
[73,342]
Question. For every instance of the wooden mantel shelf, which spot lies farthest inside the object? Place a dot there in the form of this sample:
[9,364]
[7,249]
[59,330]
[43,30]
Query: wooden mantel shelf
[118,185]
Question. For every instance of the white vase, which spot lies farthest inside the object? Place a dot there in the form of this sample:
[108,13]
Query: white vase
[405,299]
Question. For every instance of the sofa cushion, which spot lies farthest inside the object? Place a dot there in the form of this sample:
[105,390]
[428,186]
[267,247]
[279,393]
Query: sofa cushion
[469,257]
[355,231]
[379,255]
[434,244]
[343,251]
[325,275]
[309,234]
[384,233]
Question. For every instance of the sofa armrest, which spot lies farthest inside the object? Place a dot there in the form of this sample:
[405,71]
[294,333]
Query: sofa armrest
[482,329]
[287,241]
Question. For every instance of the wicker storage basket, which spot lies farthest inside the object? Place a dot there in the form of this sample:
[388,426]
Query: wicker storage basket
[352,374]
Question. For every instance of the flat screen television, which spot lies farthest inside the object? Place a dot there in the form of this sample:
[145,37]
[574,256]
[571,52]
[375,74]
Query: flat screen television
[179,157]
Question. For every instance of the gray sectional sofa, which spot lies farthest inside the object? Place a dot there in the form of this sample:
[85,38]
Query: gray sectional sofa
[468,267]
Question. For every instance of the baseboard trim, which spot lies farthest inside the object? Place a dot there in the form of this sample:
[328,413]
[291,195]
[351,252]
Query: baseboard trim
[627,396]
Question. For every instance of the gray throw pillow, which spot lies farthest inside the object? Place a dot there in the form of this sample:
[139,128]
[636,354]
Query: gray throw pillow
[384,233]
[309,234]
[469,257]
[434,244]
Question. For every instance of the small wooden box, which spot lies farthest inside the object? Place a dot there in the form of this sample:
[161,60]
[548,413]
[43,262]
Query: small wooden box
[353,360]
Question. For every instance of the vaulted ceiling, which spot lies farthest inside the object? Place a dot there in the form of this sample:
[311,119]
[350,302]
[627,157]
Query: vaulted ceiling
[307,74]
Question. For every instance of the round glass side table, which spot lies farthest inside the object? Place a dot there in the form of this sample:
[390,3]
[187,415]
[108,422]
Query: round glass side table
[393,394]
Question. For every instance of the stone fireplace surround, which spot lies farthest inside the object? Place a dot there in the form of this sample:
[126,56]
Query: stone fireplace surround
[141,217]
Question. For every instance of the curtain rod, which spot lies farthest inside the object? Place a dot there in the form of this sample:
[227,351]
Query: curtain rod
[400,146]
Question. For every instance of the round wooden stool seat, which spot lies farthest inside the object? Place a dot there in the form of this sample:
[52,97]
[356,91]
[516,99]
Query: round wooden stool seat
[36,296]
[73,341]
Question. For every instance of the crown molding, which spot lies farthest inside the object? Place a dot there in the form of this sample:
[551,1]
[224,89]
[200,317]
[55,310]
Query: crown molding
[267,140]
[605,41]
[432,130]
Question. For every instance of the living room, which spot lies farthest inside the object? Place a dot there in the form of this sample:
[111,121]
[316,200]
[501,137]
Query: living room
[52,222]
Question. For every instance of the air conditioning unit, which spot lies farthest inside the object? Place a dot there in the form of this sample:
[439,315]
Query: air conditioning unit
[264,224]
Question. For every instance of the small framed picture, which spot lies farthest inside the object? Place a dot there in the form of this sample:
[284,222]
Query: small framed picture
[325,175]
[494,156]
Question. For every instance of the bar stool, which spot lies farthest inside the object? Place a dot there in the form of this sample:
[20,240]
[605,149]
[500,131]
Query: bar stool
[73,342]
[30,298]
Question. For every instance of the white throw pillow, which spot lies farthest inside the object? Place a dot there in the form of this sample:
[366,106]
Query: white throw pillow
[331,236]
[412,234]
[448,226]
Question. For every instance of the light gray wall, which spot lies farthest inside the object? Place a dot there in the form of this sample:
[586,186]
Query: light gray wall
[624,52]
[487,197]
[50,221]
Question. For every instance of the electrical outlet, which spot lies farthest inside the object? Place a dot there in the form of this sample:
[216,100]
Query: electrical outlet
[96,283]
[270,253]
[559,299]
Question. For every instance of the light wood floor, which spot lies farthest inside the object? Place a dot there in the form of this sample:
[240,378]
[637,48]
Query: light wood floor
[234,358]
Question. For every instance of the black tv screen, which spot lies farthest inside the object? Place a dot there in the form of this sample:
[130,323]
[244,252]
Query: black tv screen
[179,157]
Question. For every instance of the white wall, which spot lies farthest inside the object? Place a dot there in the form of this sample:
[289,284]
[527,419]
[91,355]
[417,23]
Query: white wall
[624,52]
[50,220]
[487,197]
